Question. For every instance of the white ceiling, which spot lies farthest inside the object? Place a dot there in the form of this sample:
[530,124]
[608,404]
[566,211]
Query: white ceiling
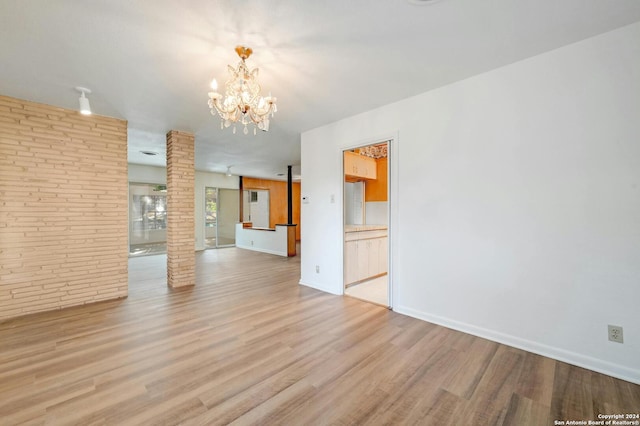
[150,61]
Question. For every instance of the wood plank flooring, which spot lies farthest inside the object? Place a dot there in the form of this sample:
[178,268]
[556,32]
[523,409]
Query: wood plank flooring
[248,345]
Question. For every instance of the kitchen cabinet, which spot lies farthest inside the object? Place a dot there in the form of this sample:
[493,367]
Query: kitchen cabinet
[359,167]
[377,256]
[351,266]
[366,255]
[376,190]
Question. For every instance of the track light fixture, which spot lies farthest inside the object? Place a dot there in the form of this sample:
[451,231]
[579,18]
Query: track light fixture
[229,171]
[85,108]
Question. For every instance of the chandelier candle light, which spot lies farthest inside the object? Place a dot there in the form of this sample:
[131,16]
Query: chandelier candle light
[242,101]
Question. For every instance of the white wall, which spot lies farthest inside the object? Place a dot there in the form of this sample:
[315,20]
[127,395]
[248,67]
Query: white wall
[377,212]
[272,241]
[228,213]
[527,227]
[147,174]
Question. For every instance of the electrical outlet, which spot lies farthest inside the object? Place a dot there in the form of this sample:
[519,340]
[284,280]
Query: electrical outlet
[615,334]
[317,269]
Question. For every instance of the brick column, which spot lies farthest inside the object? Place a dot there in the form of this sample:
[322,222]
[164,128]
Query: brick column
[181,260]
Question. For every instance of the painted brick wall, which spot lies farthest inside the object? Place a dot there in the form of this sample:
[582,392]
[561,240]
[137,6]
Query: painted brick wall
[63,208]
[181,257]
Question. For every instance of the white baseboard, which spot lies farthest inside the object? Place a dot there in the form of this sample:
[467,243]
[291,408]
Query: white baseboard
[263,250]
[317,287]
[574,358]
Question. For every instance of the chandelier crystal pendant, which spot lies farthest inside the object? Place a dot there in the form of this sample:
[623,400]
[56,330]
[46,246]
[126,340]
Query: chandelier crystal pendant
[242,101]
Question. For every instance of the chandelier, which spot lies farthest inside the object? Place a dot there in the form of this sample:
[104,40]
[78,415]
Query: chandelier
[242,101]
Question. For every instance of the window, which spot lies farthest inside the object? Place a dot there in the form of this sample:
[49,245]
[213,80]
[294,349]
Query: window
[211,207]
[149,212]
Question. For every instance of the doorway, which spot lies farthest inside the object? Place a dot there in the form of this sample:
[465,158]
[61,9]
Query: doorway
[366,223]
[221,214]
[147,219]
[255,207]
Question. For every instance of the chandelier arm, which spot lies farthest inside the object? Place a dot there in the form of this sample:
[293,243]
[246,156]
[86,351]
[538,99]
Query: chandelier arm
[255,117]
[220,106]
[217,105]
[262,114]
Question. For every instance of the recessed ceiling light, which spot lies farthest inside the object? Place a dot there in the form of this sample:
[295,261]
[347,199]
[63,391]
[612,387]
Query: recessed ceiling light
[149,152]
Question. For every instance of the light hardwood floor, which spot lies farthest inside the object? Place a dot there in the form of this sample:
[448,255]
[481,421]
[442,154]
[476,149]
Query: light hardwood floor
[248,345]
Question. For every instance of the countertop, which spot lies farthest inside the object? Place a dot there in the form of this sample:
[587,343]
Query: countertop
[359,228]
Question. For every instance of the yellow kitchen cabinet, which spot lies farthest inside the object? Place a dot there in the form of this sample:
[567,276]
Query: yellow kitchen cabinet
[358,167]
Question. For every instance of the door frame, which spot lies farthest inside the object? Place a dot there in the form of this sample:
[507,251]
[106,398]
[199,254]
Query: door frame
[392,209]
[204,216]
[249,190]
